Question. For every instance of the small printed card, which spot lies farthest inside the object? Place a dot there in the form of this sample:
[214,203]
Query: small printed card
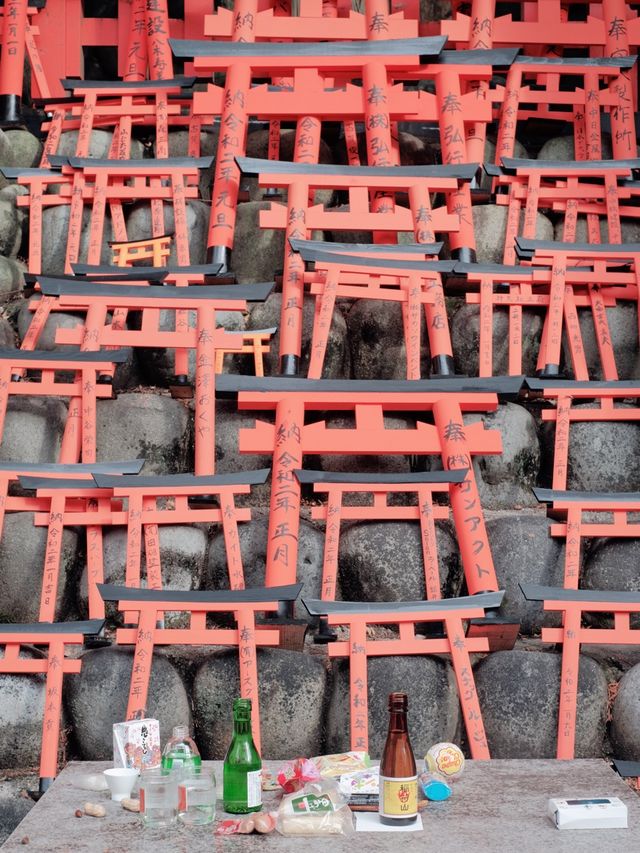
[136,743]
[370,822]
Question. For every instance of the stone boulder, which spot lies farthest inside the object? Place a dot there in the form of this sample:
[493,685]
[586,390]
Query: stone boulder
[7,158]
[33,429]
[97,698]
[22,569]
[7,337]
[99,145]
[179,147]
[11,276]
[623,328]
[625,722]
[376,337]
[490,223]
[434,708]
[253,548]
[562,148]
[139,228]
[182,557]
[148,426]
[519,697]
[610,565]
[505,480]
[465,337]
[12,222]
[25,147]
[55,231]
[14,805]
[21,717]
[523,551]
[229,422]
[382,561]
[337,361]
[291,690]
[259,252]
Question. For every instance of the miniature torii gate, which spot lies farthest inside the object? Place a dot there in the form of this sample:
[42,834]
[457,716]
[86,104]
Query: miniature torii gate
[560,256]
[552,85]
[299,217]
[451,613]
[574,605]
[243,605]
[55,637]
[51,508]
[290,438]
[566,393]
[86,367]
[492,286]
[569,507]
[205,339]
[423,485]
[411,283]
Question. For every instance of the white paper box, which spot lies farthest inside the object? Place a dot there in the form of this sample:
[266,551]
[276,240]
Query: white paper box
[594,813]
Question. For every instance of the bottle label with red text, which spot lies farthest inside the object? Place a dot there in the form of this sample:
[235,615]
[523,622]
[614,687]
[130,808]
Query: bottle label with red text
[398,796]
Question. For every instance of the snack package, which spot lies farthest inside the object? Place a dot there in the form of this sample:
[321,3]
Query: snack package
[362,782]
[136,743]
[332,766]
[294,775]
[318,809]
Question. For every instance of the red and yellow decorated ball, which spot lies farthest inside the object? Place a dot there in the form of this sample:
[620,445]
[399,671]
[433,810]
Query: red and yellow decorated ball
[445,758]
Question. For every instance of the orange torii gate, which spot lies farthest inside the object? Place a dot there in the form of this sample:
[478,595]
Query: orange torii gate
[568,509]
[299,217]
[242,605]
[413,284]
[574,605]
[559,257]
[55,637]
[357,616]
[85,385]
[290,438]
[206,339]
[595,287]
[49,509]
[565,393]
[195,499]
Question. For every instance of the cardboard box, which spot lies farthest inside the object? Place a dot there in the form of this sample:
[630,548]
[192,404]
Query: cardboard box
[136,743]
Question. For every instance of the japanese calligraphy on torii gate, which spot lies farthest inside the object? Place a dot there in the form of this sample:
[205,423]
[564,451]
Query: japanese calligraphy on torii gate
[290,438]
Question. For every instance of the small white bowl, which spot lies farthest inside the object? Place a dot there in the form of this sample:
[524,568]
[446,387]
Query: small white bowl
[120,781]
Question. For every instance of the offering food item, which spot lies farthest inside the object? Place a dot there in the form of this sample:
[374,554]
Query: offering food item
[398,775]
[241,774]
[262,822]
[318,809]
[131,805]
[332,766]
[94,810]
[293,775]
[136,743]
[445,758]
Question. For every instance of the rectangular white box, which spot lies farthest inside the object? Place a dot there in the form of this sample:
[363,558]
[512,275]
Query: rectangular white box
[593,813]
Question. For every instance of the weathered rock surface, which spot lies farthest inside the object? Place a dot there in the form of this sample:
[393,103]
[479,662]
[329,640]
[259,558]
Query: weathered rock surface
[505,480]
[562,148]
[97,698]
[229,422]
[139,228]
[21,569]
[55,231]
[519,696]
[610,564]
[182,556]
[490,222]
[145,425]
[99,145]
[434,708]
[11,276]
[259,252]
[25,147]
[12,223]
[375,334]
[337,360]
[14,805]
[253,548]
[523,551]
[292,703]
[7,338]
[33,429]
[382,561]
[21,718]
[625,724]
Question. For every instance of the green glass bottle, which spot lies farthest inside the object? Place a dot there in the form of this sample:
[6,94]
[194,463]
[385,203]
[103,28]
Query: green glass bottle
[242,771]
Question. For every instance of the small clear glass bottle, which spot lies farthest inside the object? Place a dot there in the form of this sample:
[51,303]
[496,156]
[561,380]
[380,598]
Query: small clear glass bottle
[181,752]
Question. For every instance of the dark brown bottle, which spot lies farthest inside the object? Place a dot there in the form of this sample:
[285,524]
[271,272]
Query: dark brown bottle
[398,776]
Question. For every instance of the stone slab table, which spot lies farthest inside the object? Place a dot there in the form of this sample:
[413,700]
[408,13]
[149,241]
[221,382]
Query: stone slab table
[496,806]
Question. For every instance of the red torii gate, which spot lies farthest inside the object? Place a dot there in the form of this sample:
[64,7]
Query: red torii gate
[451,613]
[243,605]
[55,637]
[574,605]
[290,438]
[299,217]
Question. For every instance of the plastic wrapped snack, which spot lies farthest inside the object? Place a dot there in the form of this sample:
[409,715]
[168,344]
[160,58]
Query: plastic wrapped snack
[318,809]
[333,766]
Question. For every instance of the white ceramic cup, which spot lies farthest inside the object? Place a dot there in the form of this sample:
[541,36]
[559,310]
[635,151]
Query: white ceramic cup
[120,781]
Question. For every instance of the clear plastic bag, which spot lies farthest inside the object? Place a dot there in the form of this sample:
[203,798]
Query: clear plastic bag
[318,809]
